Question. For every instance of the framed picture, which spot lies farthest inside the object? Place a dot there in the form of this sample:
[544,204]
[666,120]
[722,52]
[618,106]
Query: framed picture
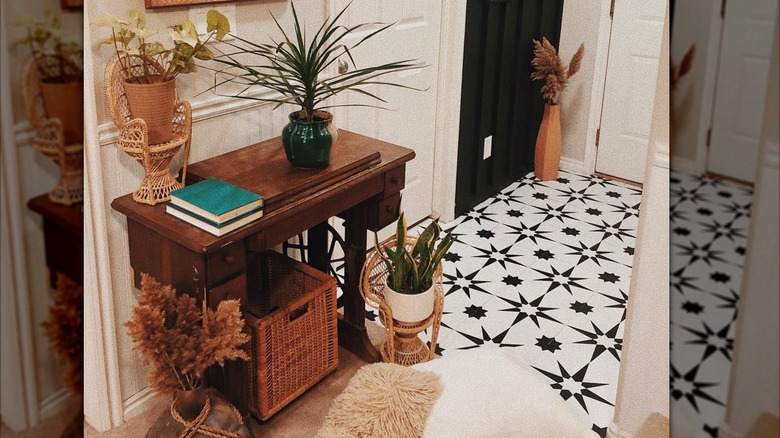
[166,3]
[72,4]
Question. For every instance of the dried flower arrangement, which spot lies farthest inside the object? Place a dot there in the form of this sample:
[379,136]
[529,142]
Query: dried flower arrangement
[179,340]
[677,72]
[45,40]
[548,66]
[130,38]
[65,330]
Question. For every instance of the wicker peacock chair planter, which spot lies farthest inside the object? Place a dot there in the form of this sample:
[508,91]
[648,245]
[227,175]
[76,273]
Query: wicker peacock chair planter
[158,183]
[402,346]
[57,122]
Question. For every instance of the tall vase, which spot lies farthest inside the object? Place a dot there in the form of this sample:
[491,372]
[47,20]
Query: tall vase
[547,155]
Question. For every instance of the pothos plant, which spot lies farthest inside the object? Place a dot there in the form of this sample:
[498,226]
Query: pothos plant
[132,38]
[45,38]
[410,269]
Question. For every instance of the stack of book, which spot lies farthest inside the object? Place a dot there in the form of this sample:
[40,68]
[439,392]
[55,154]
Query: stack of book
[215,206]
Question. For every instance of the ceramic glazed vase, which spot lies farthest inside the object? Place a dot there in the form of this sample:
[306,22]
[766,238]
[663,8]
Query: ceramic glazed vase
[308,144]
[154,103]
[410,308]
[65,101]
[195,419]
[547,154]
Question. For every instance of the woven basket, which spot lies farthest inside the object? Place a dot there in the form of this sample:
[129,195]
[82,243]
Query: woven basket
[66,103]
[292,317]
[156,104]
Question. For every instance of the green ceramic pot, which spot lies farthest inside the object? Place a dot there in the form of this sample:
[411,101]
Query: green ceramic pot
[307,144]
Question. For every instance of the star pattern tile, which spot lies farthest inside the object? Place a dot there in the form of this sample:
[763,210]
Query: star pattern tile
[543,267]
[708,224]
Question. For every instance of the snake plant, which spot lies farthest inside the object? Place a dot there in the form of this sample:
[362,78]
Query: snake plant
[410,270]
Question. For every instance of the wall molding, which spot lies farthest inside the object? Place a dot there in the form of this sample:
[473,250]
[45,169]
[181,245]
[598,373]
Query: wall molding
[574,166]
[660,155]
[201,111]
[725,431]
[772,156]
[55,403]
[138,403]
[614,431]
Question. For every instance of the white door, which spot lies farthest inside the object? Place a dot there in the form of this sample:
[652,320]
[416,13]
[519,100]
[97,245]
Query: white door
[741,89]
[632,69]
[411,120]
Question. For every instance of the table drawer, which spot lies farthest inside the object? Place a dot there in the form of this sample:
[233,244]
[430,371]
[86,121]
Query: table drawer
[225,262]
[382,213]
[394,181]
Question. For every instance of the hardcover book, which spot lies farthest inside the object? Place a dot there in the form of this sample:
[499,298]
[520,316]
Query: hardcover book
[215,200]
[217,229]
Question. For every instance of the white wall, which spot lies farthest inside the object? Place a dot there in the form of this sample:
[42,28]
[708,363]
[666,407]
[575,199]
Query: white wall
[755,374]
[643,383]
[694,23]
[33,175]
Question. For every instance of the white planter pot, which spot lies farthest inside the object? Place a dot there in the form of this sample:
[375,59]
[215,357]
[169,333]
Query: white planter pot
[410,308]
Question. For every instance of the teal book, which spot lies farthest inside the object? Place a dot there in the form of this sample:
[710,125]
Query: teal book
[212,227]
[215,200]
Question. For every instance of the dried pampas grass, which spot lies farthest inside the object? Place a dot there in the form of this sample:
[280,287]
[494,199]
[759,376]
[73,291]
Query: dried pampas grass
[549,67]
[178,340]
[65,330]
[677,72]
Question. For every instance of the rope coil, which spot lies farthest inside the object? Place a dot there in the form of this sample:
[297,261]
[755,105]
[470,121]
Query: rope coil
[196,426]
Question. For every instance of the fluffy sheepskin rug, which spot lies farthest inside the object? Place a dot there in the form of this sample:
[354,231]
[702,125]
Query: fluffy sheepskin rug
[383,400]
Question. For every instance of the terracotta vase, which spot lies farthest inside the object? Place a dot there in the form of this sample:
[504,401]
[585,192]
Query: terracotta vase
[204,421]
[547,154]
[65,101]
[153,103]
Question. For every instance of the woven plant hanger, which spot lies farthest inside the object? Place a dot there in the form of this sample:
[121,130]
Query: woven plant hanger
[49,138]
[158,183]
[402,345]
[196,426]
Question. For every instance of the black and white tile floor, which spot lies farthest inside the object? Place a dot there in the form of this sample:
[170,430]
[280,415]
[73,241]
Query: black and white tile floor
[545,267]
[709,222]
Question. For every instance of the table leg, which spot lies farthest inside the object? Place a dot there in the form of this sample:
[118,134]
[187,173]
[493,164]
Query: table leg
[317,242]
[352,326]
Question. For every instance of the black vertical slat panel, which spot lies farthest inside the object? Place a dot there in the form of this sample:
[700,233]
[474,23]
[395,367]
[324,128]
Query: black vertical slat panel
[498,97]
[473,58]
[490,91]
[502,142]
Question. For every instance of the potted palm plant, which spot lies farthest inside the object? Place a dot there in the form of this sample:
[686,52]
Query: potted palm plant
[411,265]
[58,68]
[295,69]
[549,68]
[151,68]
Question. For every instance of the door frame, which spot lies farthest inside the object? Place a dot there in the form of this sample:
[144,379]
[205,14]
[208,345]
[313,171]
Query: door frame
[598,86]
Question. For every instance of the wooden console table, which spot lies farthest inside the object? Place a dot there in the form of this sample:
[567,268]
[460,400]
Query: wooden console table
[362,185]
[63,234]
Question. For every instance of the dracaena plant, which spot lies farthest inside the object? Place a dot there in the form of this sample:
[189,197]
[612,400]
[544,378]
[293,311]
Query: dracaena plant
[296,68]
[410,270]
[44,37]
[132,38]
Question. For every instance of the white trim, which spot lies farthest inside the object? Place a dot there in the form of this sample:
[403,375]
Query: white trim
[138,403]
[23,134]
[724,431]
[614,431]
[685,165]
[708,89]
[661,155]
[772,156]
[26,406]
[55,403]
[597,88]
[103,398]
[574,166]
[445,151]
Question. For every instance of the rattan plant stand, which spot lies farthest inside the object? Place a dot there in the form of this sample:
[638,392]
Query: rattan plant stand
[158,183]
[49,136]
[403,345]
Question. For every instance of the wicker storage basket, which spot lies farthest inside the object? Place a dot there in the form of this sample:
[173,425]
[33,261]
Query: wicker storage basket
[292,317]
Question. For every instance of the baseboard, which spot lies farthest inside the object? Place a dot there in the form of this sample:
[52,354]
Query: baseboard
[137,403]
[684,165]
[573,166]
[614,431]
[724,431]
[55,403]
